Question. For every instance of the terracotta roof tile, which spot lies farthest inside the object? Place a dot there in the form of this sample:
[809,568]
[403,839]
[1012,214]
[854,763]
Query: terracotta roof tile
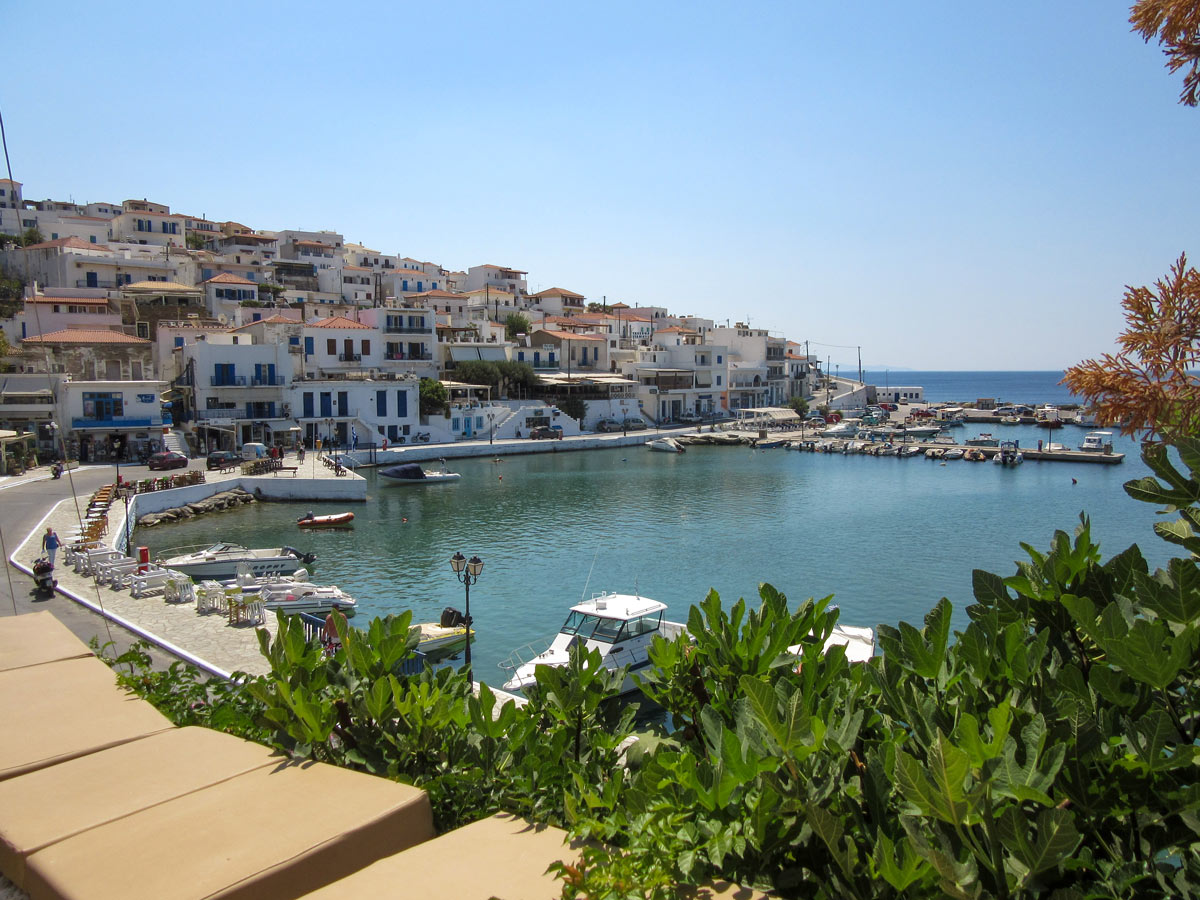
[337,322]
[228,278]
[559,292]
[85,336]
[159,287]
[68,243]
[572,336]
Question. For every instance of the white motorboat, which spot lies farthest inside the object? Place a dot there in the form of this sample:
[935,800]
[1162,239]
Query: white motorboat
[292,593]
[217,562]
[983,440]
[620,626]
[843,429]
[435,639]
[412,473]
[910,451]
[954,453]
[1097,441]
[858,640]
[665,445]
[1009,454]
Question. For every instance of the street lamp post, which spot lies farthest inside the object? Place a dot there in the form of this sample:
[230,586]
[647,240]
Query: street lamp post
[491,428]
[467,572]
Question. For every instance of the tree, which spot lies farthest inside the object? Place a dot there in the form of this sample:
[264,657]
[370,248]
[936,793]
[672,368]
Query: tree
[270,293]
[433,396]
[516,323]
[800,405]
[574,407]
[597,307]
[477,371]
[1176,24]
[515,374]
[1150,383]
[195,241]
[31,236]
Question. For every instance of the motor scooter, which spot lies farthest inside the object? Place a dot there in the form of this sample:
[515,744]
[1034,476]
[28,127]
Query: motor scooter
[43,575]
[56,470]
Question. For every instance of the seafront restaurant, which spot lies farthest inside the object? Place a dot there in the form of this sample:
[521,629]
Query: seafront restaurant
[765,417]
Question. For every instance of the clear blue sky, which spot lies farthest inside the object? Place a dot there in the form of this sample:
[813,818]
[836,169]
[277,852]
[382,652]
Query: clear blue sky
[950,185]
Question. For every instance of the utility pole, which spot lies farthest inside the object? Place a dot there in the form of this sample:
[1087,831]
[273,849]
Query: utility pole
[860,364]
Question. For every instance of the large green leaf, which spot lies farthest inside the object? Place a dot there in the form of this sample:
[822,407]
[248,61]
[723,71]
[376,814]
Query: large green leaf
[1054,838]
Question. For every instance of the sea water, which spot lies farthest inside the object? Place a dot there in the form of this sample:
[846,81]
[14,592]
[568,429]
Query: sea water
[886,537]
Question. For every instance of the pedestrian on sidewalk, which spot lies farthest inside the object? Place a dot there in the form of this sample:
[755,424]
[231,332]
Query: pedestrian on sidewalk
[50,543]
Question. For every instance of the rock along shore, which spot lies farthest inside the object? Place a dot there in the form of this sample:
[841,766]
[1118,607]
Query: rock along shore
[230,499]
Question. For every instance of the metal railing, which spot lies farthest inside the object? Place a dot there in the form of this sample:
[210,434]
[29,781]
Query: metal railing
[407,329]
[227,380]
[349,357]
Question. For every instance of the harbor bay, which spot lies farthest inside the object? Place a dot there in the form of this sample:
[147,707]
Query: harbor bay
[886,537]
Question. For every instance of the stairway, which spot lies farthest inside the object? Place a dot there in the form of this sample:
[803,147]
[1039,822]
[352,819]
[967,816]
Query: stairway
[174,440]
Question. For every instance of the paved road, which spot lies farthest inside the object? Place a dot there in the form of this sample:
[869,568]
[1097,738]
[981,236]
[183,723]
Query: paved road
[24,501]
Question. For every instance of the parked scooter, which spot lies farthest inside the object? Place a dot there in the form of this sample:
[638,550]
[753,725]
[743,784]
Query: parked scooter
[422,437]
[56,470]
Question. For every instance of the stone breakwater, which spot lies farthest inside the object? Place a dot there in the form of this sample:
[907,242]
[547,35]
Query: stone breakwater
[230,499]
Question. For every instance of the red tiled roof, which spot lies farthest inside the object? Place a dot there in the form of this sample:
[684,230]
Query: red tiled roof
[80,301]
[276,319]
[337,322]
[68,243]
[228,278]
[572,336]
[439,293]
[559,292]
[85,336]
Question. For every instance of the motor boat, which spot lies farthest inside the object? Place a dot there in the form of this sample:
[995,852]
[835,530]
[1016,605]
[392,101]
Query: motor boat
[292,593]
[332,520]
[983,440]
[910,451]
[954,453]
[665,445]
[449,635]
[1097,441]
[220,561]
[620,626]
[1009,454]
[974,454]
[412,473]
[858,640]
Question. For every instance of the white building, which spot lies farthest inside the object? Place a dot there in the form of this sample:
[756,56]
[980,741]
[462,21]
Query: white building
[503,277]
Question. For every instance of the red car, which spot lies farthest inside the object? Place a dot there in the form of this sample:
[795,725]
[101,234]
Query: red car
[168,459]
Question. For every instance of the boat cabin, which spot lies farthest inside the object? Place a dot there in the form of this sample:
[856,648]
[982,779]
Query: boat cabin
[612,618]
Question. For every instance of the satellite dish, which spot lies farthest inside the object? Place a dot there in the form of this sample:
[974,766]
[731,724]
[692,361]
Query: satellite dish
[223,319]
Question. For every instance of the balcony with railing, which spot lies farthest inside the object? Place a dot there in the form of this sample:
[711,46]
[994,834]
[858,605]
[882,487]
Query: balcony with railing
[227,380]
[408,357]
[396,328]
[349,357]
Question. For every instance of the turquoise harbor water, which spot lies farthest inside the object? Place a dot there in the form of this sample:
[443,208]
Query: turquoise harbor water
[888,537]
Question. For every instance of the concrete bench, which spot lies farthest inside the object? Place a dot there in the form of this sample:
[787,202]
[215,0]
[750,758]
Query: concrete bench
[65,709]
[271,833]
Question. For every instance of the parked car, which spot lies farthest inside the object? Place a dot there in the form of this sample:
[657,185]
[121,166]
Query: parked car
[634,424]
[690,418]
[223,458]
[608,425]
[544,432]
[168,459]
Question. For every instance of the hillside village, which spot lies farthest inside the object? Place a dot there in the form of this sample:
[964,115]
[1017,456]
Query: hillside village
[136,323]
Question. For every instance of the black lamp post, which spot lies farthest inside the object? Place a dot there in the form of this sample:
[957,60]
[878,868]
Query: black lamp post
[467,571]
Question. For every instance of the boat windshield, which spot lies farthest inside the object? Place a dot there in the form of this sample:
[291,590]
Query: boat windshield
[609,631]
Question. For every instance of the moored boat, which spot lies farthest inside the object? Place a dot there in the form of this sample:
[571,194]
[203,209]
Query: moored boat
[954,453]
[412,473]
[1097,442]
[620,626]
[983,440]
[331,520]
[665,445]
[1009,454]
[221,560]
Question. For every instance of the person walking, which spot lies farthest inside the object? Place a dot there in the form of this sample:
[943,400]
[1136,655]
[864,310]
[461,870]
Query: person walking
[50,543]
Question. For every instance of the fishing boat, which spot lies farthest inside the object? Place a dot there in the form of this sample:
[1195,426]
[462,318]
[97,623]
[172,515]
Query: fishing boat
[412,473]
[220,561]
[1097,441]
[620,626]
[332,520]
[665,445]
[1009,454]
[954,453]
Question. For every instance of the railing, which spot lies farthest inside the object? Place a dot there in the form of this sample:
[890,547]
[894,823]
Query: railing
[204,415]
[407,329]
[116,422]
[314,632]
[267,381]
[349,357]
[402,357]
[227,380]
[84,283]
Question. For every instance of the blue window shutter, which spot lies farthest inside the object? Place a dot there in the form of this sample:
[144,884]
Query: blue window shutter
[178,342]
[308,404]
[381,403]
[401,404]
[308,346]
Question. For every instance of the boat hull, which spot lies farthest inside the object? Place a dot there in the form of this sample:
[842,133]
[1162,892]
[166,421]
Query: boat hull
[223,570]
[333,520]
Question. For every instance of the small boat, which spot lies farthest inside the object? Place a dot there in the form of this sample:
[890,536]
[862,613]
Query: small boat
[1009,454]
[771,444]
[910,451]
[307,598]
[1010,420]
[983,440]
[954,453]
[412,473]
[935,452]
[620,626]
[220,561]
[444,637]
[1097,442]
[332,520]
[974,454]
[665,445]
[858,640]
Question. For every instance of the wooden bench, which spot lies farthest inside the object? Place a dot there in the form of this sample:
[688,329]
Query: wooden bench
[289,469]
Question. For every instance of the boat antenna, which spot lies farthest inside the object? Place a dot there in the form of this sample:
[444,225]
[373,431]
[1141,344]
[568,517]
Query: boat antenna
[583,596]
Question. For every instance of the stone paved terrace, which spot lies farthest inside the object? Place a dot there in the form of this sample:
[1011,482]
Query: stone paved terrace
[209,640]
